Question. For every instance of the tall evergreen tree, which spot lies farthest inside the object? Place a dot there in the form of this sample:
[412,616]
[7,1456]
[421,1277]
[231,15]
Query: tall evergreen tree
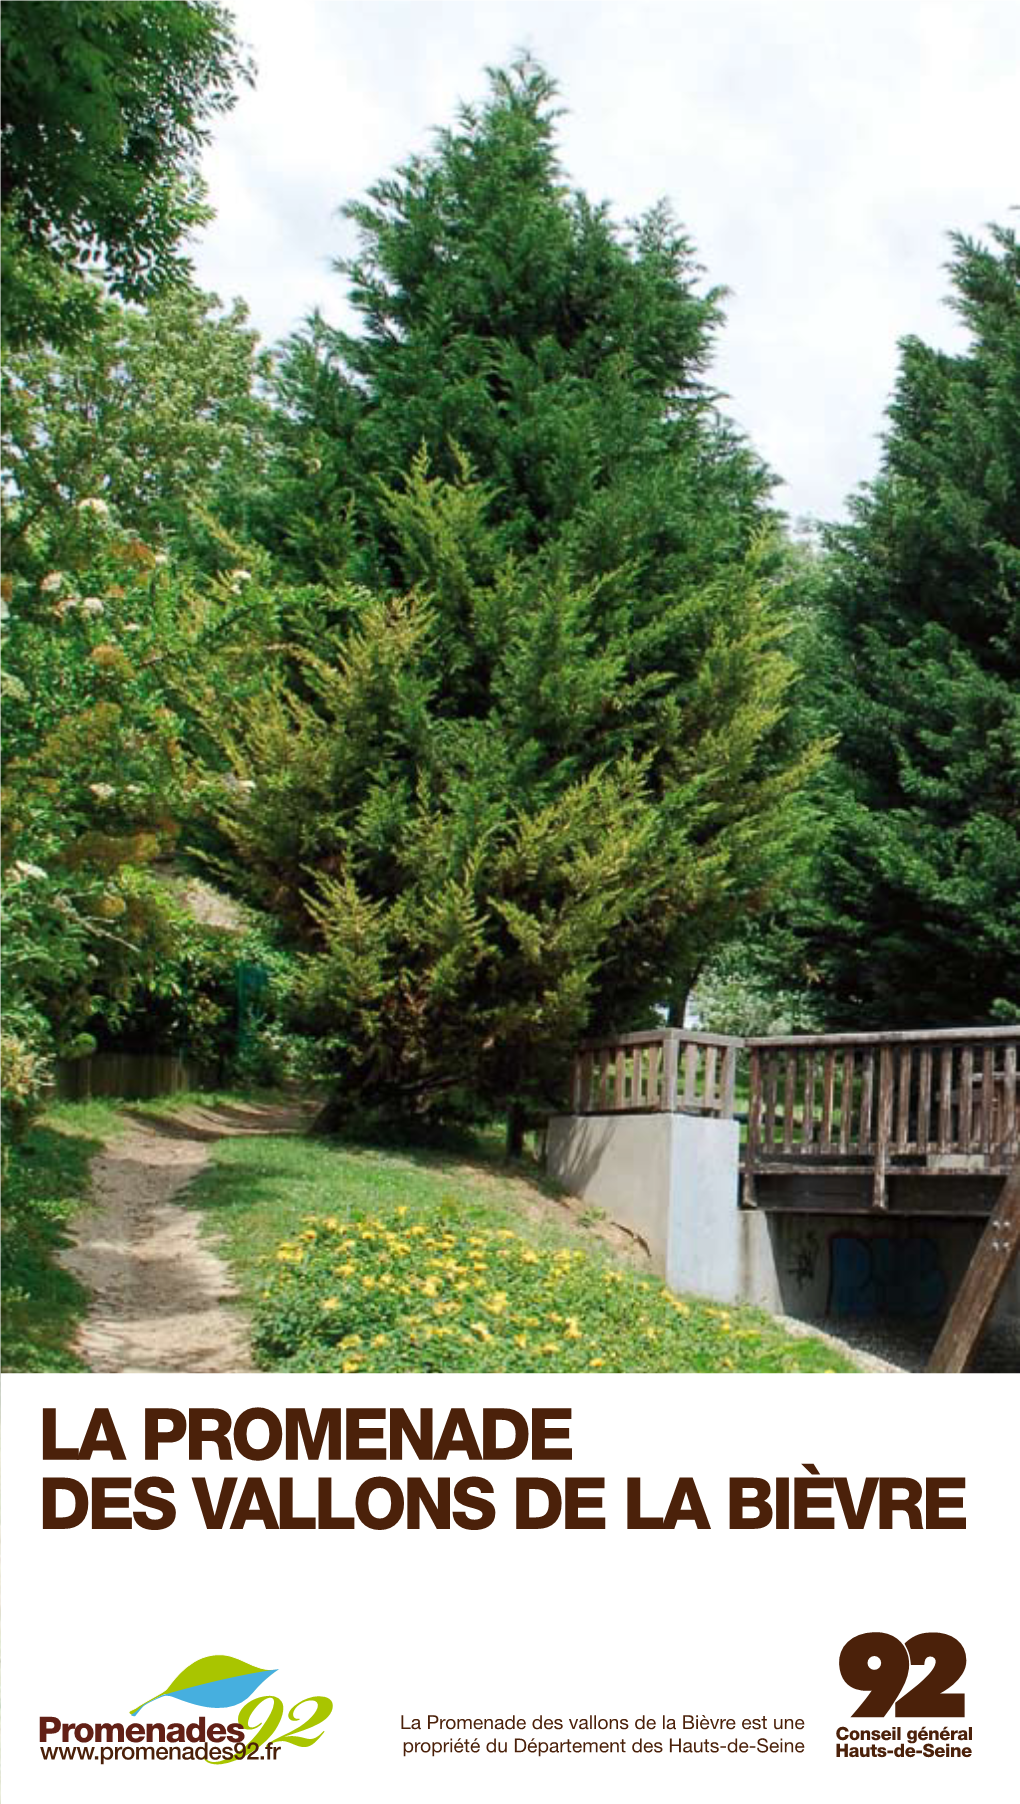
[540,753]
[918,916]
[507,319]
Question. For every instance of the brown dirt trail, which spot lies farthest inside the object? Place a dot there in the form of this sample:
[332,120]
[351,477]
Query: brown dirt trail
[161,1297]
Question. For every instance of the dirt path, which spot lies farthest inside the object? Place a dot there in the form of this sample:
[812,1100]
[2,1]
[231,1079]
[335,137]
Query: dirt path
[160,1294]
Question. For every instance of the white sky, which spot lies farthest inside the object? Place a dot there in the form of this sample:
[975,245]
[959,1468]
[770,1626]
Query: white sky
[817,151]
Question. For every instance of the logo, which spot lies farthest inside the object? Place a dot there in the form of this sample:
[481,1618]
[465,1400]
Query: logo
[216,1682]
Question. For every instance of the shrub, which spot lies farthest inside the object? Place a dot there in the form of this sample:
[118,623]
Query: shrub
[24,1075]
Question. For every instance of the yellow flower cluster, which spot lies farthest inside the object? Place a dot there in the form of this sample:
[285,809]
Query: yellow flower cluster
[387,1292]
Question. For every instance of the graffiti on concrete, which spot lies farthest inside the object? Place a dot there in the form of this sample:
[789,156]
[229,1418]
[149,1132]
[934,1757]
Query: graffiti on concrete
[885,1276]
[804,1263]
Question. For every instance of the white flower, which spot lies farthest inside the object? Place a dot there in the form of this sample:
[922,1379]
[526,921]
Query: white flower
[133,626]
[161,560]
[92,605]
[103,790]
[93,504]
[23,869]
[238,578]
[52,582]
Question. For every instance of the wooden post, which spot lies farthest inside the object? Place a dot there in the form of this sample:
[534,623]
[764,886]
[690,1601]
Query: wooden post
[670,1073]
[729,1083]
[753,1129]
[654,1061]
[883,1128]
[983,1280]
[709,1103]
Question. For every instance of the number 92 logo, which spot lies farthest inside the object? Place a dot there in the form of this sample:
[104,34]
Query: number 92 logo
[263,1728]
[880,1664]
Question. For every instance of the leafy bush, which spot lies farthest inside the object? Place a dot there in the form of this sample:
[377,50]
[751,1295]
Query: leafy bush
[756,985]
[24,1072]
[420,1290]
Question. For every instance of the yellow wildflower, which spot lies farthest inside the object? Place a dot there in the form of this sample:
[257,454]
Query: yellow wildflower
[331,1303]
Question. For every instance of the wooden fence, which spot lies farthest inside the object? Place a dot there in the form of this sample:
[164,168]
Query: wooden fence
[131,1076]
[665,1069]
[936,1104]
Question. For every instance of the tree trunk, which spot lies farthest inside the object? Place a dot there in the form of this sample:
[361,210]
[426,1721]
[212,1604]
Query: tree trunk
[515,1130]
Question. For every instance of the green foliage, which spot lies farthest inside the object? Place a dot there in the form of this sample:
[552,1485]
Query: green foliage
[109,664]
[24,1074]
[537,750]
[748,988]
[45,1179]
[509,320]
[156,413]
[499,809]
[916,914]
[106,111]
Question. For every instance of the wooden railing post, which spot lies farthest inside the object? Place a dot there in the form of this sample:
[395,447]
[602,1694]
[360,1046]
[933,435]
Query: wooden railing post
[670,1068]
[728,1083]
[883,1127]
[753,1129]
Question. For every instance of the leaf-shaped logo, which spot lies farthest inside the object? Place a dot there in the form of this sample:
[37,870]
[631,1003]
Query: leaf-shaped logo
[215,1683]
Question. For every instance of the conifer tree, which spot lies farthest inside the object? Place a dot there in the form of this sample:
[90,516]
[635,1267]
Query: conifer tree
[917,912]
[504,318]
[536,753]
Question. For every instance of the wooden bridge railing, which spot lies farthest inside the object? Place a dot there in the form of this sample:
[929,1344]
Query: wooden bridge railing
[942,1103]
[938,1103]
[664,1069]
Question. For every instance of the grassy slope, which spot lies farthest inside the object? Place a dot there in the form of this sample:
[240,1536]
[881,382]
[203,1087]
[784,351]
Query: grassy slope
[45,1182]
[358,1259]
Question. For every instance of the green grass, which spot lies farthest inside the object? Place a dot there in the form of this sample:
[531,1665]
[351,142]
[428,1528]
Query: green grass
[45,1182]
[352,1258]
